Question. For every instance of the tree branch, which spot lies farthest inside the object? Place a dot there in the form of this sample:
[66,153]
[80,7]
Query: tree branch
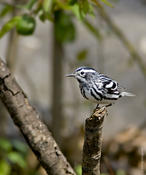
[93,142]
[34,131]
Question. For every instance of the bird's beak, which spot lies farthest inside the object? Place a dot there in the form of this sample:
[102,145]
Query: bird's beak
[70,75]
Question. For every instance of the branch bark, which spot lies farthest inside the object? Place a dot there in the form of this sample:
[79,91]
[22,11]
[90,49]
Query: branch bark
[93,143]
[11,55]
[34,131]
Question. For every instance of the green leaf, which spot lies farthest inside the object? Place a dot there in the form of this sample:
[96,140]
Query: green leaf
[5,145]
[78,169]
[45,11]
[84,7]
[76,10]
[72,2]
[9,25]
[5,10]
[17,158]
[107,3]
[30,4]
[4,168]
[47,5]
[26,25]
[64,27]
[82,55]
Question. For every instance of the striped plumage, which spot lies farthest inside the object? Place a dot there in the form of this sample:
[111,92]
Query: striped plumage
[97,87]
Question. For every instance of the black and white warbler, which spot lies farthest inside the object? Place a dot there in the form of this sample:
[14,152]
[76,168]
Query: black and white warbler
[97,87]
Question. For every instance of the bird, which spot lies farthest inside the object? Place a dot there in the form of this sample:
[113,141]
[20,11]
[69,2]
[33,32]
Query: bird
[97,87]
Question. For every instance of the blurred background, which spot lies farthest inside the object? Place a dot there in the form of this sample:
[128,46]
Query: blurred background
[43,45]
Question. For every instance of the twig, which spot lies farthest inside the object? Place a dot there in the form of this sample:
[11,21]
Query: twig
[127,44]
[33,129]
[93,143]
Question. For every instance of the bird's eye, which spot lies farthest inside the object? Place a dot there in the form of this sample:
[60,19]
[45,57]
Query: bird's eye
[82,73]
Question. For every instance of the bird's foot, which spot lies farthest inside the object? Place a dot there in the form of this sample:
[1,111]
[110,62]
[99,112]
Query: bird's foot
[96,108]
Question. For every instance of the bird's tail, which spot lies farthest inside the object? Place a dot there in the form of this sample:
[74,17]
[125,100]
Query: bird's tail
[127,94]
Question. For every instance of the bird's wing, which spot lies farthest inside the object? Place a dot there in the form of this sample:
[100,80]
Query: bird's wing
[109,87]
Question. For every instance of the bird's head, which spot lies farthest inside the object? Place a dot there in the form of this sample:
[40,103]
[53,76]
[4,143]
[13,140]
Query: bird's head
[83,74]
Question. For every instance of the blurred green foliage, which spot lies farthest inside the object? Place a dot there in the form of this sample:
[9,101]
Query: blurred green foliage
[82,55]
[64,27]
[78,169]
[120,172]
[58,11]
[7,8]
[26,25]
[30,4]
[107,3]
[13,158]
[9,25]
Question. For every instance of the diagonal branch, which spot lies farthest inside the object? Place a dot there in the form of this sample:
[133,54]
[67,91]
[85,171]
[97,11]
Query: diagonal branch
[93,143]
[33,129]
